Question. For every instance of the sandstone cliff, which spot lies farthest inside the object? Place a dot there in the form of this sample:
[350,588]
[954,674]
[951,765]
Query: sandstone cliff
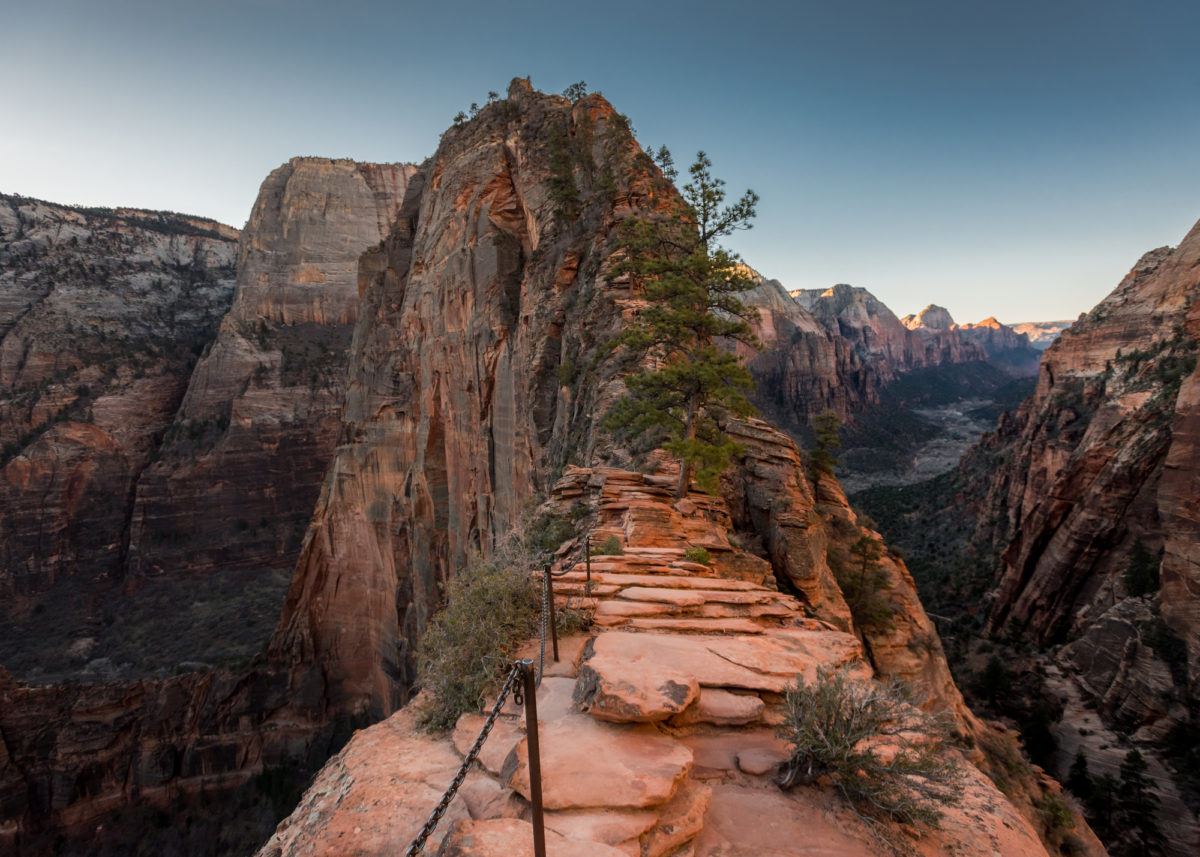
[258,425]
[1042,334]
[880,338]
[1098,467]
[102,315]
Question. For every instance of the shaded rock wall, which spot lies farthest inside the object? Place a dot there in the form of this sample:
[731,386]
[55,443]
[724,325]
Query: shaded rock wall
[102,316]
[476,373]
[261,416]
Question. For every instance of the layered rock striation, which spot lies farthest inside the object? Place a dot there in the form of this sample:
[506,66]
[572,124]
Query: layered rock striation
[103,314]
[261,417]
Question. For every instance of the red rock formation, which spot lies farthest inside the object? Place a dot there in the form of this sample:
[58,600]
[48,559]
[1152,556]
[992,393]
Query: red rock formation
[1102,456]
[257,428]
[476,371]
[656,727]
[102,314]
[880,338]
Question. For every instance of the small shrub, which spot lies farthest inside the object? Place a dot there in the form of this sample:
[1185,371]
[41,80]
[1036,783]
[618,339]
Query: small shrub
[865,584]
[839,726]
[1057,819]
[491,609]
[697,554]
[611,546]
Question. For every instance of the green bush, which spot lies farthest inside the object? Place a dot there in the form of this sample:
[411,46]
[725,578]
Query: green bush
[865,585]
[611,546]
[838,725]
[697,554]
[491,609]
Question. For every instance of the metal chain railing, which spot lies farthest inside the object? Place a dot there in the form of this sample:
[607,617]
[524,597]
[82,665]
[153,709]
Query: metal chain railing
[418,844]
[522,682]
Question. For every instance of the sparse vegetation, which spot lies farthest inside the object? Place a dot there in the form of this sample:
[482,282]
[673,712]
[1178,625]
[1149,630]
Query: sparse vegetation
[1124,811]
[697,554]
[826,442]
[576,91]
[1141,574]
[611,546]
[886,757]
[864,584]
[492,607]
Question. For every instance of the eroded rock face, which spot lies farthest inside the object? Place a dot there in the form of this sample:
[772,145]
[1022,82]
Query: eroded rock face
[258,425]
[880,338]
[666,747]
[1101,457]
[102,316]
[475,371]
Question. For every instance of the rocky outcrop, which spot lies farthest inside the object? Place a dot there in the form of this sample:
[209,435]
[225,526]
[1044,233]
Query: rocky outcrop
[802,368]
[656,729]
[476,371]
[932,318]
[1097,467]
[258,425]
[1004,347]
[102,316]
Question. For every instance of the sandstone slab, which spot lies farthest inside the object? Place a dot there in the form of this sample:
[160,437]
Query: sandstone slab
[587,764]
[646,677]
[722,708]
[510,837]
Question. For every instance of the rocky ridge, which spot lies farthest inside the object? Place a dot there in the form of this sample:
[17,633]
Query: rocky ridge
[657,728]
[477,367]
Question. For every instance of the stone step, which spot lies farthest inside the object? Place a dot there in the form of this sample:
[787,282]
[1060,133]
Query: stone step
[587,764]
[697,625]
[666,581]
[678,597]
[626,609]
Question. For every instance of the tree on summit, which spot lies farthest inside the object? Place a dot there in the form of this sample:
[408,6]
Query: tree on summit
[688,384]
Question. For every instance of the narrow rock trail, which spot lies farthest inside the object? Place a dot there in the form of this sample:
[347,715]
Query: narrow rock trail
[658,727]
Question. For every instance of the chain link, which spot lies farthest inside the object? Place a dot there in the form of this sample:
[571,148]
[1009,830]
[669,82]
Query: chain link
[542,626]
[514,679]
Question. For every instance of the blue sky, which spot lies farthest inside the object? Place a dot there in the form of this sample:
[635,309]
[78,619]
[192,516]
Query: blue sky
[997,158]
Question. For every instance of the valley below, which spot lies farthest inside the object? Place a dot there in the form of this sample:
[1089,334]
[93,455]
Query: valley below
[952,430]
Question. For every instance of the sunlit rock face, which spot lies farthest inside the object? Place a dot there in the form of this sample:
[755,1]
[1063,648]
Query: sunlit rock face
[239,471]
[102,316]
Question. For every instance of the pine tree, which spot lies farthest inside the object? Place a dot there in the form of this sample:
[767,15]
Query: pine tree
[1079,778]
[995,682]
[689,383]
[1141,575]
[826,443]
[1135,816]
[864,585]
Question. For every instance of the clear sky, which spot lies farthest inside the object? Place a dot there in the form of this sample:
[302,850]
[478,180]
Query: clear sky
[1010,158]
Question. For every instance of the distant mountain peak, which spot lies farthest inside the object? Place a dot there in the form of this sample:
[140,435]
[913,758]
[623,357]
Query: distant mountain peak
[933,317]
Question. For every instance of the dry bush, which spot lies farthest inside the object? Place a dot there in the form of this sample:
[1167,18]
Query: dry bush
[492,607]
[886,757]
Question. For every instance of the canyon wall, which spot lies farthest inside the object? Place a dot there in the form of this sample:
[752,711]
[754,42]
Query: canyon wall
[478,368]
[102,316]
[258,425]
